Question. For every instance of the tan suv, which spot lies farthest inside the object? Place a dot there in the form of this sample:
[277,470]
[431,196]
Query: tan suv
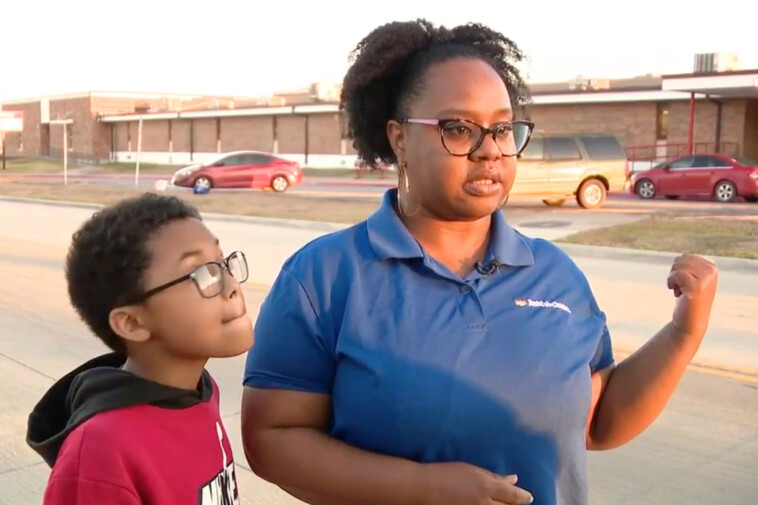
[582,166]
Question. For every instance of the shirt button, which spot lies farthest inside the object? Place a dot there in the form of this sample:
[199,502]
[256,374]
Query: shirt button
[465,289]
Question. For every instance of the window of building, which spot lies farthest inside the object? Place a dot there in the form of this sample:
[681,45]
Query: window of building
[662,121]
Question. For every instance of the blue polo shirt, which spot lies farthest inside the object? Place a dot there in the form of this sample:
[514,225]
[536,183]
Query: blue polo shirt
[490,369]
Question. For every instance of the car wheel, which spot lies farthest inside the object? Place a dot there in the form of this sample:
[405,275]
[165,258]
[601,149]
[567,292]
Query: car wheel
[751,199]
[591,194]
[203,183]
[725,191]
[645,189]
[279,184]
[554,203]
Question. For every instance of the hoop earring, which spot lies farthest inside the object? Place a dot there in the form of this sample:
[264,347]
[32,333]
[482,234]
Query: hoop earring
[401,207]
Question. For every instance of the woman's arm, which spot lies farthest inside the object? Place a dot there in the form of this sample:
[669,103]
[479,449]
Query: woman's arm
[284,434]
[629,397]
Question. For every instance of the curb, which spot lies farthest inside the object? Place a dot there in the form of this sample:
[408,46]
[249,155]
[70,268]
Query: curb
[233,218]
[118,176]
[275,221]
[653,257]
[51,203]
[577,250]
[349,182]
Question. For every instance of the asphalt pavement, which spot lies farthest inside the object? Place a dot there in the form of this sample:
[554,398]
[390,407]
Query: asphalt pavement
[702,450]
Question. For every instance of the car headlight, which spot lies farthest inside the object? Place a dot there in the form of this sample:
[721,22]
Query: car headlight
[186,171]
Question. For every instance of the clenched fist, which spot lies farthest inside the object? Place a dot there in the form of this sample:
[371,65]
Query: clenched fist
[693,280]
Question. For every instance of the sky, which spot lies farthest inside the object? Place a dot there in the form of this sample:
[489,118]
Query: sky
[258,47]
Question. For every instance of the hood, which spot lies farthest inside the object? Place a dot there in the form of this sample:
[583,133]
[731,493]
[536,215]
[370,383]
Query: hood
[99,386]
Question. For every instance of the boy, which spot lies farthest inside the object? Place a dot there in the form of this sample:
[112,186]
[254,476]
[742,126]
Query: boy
[141,425]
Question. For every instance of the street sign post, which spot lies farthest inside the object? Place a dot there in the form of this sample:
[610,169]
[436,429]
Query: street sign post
[65,123]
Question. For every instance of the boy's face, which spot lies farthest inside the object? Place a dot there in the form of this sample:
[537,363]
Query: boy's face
[186,323]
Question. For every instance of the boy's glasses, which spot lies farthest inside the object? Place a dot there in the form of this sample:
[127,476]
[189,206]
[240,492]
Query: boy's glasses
[209,278]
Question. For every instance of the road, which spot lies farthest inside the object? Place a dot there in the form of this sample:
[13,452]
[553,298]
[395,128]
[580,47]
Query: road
[372,189]
[633,294]
[701,450]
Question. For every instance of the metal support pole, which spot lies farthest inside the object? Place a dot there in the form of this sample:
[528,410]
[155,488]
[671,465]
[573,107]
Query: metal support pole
[691,137]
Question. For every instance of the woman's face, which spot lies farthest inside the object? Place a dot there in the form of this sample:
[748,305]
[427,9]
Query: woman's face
[448,187]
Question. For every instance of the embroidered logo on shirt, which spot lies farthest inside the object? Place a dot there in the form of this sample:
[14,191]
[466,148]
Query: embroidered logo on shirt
[528,302]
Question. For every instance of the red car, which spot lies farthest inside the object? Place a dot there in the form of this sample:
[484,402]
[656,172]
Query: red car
[241,169]
[725,178]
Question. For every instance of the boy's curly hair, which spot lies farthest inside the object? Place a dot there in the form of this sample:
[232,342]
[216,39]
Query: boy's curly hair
[108,257]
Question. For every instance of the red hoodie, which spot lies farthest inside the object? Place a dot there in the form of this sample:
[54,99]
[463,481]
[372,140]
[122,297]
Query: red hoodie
[112,437]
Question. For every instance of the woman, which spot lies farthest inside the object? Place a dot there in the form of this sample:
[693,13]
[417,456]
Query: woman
[432,354]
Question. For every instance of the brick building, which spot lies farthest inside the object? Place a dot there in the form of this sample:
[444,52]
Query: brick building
[658,116]
[311,133]
[654,117]
[88,139]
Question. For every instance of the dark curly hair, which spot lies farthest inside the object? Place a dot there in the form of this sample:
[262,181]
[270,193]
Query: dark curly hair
[387,67]
[108,257]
